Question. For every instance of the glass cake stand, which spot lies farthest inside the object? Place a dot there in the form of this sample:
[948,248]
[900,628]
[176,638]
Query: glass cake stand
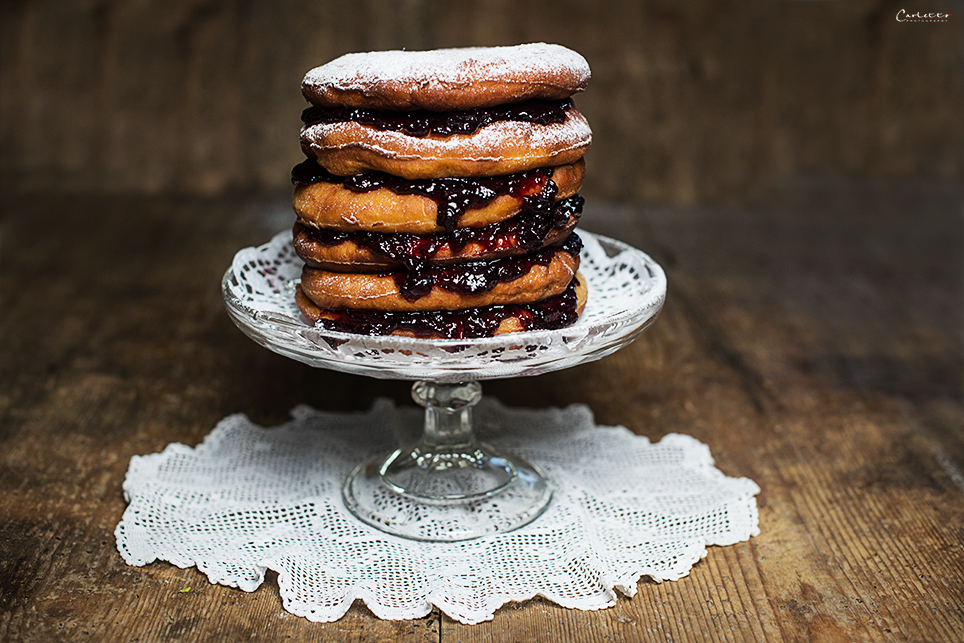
[448,486]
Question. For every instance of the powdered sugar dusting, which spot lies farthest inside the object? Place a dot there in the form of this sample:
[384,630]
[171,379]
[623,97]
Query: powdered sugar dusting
[450,68]
[489,143]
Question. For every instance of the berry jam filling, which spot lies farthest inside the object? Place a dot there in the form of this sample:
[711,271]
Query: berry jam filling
[474,277]
[423,123]
[549,314]
[527,231]
[452,195]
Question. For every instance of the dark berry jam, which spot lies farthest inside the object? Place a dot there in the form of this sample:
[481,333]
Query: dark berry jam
[475,277]
[526,231]
[549,314]
[422,123]
[452,195]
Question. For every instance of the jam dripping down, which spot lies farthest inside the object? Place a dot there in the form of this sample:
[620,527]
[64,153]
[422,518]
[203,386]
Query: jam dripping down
[474,277]
[421,123]
[527,231]
[453,196]
[549,314]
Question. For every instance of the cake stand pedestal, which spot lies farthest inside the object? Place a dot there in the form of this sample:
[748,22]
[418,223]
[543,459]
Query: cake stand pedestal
[448,486]
[454,486]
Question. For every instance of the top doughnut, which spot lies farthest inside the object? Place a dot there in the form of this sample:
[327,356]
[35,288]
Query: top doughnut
[445,80]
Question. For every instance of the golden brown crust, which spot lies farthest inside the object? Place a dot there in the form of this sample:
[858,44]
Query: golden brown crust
[502,147]
[333,206]
[360,291]
[510,324]
[447,79]
[582,292]
[481,96]
[348,256]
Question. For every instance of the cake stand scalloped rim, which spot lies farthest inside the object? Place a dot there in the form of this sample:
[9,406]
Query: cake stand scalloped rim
[407,358]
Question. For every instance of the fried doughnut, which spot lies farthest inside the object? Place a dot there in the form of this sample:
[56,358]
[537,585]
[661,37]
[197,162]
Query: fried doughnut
[548,314]
[501,147]
[447,79]
[470,285]
[366,251]
[323,204]
[441,190]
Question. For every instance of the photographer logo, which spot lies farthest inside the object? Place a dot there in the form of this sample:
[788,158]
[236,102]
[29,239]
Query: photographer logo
[904,16]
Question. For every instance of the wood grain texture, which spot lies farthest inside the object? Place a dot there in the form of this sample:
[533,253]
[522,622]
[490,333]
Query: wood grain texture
[689,103]
[813,344]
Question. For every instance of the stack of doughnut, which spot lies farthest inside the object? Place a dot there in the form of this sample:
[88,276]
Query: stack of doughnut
[440,192]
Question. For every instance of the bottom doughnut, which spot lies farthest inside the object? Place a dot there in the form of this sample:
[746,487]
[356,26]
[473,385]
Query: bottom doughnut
[548,314]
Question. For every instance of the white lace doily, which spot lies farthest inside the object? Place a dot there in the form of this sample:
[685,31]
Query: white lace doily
[249,499]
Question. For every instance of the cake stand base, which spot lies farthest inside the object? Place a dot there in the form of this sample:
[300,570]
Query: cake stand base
[448,486]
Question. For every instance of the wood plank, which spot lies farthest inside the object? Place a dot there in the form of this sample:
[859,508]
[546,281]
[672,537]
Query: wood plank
[689,103]
[110,354]
[812,344]
[859,499]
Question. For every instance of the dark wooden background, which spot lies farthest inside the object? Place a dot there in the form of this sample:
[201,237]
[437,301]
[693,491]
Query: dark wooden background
[690,101]
[796,167]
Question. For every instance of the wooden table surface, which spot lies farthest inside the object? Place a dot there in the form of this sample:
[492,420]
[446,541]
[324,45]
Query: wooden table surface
[813,341]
